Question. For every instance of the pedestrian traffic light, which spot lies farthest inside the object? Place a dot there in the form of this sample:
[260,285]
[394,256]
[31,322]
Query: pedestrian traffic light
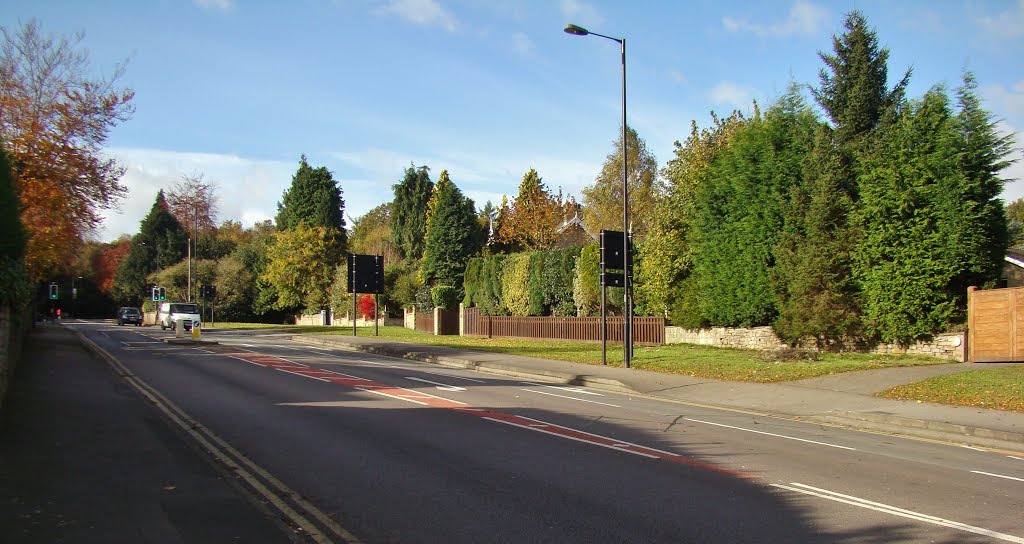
[53,291]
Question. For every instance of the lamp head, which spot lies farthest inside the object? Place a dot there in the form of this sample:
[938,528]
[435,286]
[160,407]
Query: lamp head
[576,30]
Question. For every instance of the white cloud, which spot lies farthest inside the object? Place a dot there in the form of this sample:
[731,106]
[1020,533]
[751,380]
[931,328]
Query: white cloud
[215,5]
[420,12]
[581,13]
[1008,24]
[732,94]
[1008,101]
[248,190]
[804,18]
[676,75]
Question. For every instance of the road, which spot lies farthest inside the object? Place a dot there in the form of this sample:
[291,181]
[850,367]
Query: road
[362,448]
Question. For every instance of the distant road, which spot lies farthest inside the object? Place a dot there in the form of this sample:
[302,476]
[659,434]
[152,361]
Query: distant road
[376,449]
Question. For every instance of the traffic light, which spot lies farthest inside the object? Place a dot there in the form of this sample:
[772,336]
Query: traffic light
[156,293]
[163,293]
[53,291]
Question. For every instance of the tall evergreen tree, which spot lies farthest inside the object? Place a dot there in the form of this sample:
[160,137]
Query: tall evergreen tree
[314,198]
[853,89]
[408,217]
[160,243]
[450,237]
[12,244]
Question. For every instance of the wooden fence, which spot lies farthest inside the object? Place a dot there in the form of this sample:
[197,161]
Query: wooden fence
[646,330]
[440,322]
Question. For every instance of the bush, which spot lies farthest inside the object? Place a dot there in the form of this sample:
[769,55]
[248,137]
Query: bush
[445,297]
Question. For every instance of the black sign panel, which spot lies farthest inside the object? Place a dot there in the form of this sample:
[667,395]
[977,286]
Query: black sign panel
[613,279]
[612,250]
[365,274]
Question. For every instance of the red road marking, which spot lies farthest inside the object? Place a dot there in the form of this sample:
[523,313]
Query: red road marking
[424,399]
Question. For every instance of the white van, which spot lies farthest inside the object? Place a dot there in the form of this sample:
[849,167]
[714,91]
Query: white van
[170,312]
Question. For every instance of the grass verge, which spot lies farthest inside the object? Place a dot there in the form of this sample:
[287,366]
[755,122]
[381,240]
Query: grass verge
[685,359]
[995,388]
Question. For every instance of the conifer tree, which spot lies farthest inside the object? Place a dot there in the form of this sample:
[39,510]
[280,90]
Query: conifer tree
[854,83]
[408,217]
[314,198]
[160,243]
[451,236]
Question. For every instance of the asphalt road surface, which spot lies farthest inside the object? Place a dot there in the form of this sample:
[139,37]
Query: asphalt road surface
[355,447]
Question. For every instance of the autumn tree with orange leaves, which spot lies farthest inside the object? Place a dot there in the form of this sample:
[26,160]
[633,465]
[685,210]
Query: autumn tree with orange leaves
[54,118]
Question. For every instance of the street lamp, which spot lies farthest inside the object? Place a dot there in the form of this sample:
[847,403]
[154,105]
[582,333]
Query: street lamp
[627,282]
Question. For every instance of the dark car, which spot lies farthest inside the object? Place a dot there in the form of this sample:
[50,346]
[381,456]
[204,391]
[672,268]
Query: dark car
[129,314]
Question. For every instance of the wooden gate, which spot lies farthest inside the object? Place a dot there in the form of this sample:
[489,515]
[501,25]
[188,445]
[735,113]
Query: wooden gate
[995,325]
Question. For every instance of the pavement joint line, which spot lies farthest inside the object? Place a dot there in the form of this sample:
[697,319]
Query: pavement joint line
[230,457]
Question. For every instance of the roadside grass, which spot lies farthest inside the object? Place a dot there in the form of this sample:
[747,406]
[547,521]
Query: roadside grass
[995,388]
[685,359]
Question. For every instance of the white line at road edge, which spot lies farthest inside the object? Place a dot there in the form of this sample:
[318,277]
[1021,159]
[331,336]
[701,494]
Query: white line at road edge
[770,434]
[998,475]
[885,508]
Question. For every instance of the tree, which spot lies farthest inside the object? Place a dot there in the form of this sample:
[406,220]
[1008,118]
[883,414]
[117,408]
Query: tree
[301,267]
[54,120]
[532,221]
[408,220]
[451,236]
[666,262]
[853,83]
[160,243]
[602,201]
[367,307]
[193,203]
[14,280]
[314,198]
[1015,222]
[371,234]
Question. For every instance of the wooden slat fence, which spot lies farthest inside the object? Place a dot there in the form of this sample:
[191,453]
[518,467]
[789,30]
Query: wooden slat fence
[646,330]
[425,322]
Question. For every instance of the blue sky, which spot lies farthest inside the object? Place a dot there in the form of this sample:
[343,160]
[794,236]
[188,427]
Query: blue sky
[237,90]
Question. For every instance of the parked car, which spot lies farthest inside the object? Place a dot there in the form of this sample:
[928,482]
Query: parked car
[129,314]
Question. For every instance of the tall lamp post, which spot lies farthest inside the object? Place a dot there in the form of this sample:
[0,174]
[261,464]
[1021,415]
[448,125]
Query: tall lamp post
[627,282]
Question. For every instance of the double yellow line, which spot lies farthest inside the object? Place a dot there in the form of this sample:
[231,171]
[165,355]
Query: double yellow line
[306,518]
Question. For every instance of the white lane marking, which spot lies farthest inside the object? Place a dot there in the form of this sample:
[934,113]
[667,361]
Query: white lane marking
[971,447]
[1015,457]
[383,394]
[441,386]
[770,434]
[570,398]
[888,509]
[572,389]
[616,447]
[998,475]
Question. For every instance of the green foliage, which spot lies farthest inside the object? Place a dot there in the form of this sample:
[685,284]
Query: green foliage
[401,283]
[302,267]
[603,200]
[408,220]
[445,297]
[557,278]
[853,88]
[12,243]
[922,234]
[160,243]
[586,288]
[536,289]
[235,290]
[314,198]
[740,216]
[471,281]
[533,219]
[489,292]
[813,274]
[515,281]
[452,237]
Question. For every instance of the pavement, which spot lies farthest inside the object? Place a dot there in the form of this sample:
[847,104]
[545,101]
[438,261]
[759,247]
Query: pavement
[841,399]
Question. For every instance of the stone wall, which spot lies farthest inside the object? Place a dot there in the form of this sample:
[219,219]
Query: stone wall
[947,346]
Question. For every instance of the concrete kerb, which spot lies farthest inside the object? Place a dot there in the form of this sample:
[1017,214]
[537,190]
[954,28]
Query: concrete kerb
[865,421]
[492,367]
